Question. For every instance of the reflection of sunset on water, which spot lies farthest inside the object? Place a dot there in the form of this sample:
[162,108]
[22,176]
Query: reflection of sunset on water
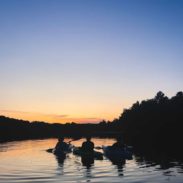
[28,160]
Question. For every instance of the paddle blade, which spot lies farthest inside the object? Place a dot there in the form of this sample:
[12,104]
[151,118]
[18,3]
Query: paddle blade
[98,147]
[49,150]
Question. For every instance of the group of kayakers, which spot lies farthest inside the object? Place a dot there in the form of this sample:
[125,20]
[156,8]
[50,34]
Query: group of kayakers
[87,146]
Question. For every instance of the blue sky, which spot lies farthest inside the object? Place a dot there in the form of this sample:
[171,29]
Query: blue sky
[86,60]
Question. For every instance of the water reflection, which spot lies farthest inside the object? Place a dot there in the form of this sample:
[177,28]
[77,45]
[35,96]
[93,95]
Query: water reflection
[28,161]
[119,164]
[60,160]
[161,161]
[88,163]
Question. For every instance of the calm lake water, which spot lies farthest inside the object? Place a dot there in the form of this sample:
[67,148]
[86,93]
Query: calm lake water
[28,161]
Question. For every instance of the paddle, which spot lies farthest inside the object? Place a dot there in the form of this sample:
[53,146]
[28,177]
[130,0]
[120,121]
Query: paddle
[74,139]
[98,147]
[49,150]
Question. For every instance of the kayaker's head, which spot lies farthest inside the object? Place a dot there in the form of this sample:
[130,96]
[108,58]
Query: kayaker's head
[61,139]
[119,139]
[88,138]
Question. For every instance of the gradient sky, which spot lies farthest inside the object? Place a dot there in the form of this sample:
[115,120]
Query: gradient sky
[87,60]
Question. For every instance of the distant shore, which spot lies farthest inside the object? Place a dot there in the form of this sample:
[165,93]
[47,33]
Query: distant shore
[156,122]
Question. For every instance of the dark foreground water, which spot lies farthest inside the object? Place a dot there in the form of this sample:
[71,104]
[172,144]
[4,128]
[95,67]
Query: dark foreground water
[27,161]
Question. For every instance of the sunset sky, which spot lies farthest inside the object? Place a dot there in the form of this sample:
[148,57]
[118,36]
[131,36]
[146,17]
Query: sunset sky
[87,60]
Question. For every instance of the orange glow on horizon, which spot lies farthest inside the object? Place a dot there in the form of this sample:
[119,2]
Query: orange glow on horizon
[51,118]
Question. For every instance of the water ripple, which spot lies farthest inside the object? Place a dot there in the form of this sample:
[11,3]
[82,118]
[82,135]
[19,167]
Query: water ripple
[27,161]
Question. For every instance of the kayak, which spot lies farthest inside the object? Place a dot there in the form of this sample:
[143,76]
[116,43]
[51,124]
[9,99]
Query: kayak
[94,154]
[111,153]
[60,152]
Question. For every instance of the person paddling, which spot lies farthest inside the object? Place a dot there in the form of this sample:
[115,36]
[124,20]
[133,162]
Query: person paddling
[61,146]
[88,145]
[118,144]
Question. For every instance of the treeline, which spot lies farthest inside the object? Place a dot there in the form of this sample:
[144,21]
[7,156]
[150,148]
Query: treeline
[14,129]
[155,122]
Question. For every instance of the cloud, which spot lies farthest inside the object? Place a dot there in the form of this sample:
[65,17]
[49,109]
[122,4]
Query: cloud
[58,116]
